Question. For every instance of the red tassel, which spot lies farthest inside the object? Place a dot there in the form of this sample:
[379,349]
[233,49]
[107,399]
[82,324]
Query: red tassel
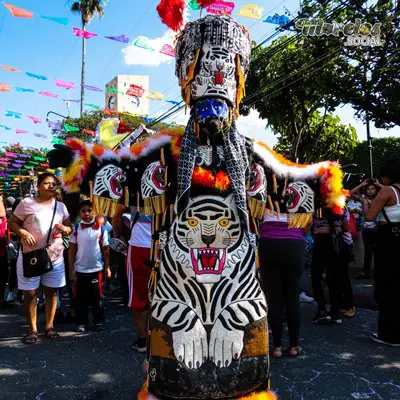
[205,3]
[171,13]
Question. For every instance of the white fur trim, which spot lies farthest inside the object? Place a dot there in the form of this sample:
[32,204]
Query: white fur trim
[151,144]
[280,169]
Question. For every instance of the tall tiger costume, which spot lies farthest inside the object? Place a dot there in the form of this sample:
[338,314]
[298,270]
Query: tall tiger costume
[207,188]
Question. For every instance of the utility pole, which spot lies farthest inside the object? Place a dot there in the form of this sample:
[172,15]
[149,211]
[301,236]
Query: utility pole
[369,143]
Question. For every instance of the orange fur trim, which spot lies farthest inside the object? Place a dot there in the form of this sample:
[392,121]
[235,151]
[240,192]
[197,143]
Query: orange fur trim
[205,177]
[98,150]
[176,141]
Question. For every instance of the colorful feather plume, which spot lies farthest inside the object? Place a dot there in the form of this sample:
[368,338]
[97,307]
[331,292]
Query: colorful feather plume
[171,13]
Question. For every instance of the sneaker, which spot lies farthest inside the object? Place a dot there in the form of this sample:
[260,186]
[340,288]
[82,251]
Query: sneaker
[350,313]
[140,345]
[375,338]
[305,299]
[321,317]
[81,328]
[335,319]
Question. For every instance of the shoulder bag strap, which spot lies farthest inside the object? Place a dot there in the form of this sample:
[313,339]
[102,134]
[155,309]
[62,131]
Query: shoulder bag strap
[385,216]
[51,223]
[135,219]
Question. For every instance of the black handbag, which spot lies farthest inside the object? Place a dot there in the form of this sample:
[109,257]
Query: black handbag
[37,262]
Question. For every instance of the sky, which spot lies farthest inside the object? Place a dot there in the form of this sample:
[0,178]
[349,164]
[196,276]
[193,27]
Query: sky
[43,47]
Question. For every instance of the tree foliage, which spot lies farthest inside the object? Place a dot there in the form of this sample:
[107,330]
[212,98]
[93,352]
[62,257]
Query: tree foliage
[88,9]
[384,149]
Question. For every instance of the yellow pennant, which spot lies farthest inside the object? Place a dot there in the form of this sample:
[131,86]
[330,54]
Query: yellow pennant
[251,11]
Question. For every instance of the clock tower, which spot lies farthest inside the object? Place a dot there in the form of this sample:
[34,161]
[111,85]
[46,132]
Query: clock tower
[127,93]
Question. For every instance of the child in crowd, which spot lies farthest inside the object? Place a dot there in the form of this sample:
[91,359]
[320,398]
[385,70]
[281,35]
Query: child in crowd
[88,257]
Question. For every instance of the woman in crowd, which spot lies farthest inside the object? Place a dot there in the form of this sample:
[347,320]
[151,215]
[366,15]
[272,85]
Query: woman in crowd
[3,254]
[32,220]
[282,254]
[368,227]
[332,253]
[386,210]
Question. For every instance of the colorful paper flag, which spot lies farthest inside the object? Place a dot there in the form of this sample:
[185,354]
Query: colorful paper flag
[143,42]
[71,101]
[57,141]
[11,154]
[84,34]
[89,132]
[221,7]
[121,38]
[38,158]
[110,112]
[40,135]
[4,87]
[58,20]
[7,128]
[155,96]
[14,114]
[11,69]
[251,11]
[21,89]
[175,103]
[65,84]
[278,19]
[70,128]
[35,119]
[49,94]
[24,155]
[54,125]
[18,12]
[168,50]
[40,77]
[193,5]
[135,90]
[96,106]
[113,90]
[18,131]
[107,131]
[148,120]
[94,88]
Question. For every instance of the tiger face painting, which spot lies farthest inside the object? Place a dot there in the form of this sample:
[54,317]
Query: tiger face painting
[300,198]
[108,182]
[153,180]
[209,231]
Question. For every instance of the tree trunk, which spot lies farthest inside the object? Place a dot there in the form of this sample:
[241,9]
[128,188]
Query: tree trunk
[83,68]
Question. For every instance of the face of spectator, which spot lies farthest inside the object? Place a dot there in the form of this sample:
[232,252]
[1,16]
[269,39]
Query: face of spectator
[385,180]
[86,213]
[48,187]
[371,191]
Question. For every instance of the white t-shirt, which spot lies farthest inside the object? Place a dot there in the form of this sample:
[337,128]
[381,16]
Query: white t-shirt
[141,232]
[36,219]
[88,257]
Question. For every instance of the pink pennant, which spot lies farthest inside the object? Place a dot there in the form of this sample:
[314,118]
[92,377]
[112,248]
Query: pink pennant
[84,34]
[65,84]
[49,94]
[35,119]
[221,7]
[10,154]
[3,163]
[168,50]
[18,131]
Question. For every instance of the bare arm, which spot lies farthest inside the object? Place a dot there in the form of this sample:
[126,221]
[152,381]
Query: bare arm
[2,209]
[106,257]
[117,220]
[372,210]
[15,226]
[71,259]
[354,193]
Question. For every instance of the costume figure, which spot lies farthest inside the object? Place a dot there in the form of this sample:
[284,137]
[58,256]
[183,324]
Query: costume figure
[206,187]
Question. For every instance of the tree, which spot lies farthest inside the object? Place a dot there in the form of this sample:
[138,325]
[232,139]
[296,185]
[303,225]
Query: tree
[87,10]
[384,149]
[324,139]
[322,67]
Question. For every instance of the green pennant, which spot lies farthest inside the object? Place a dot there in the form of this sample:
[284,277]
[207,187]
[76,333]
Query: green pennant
[194,5]
[70,128]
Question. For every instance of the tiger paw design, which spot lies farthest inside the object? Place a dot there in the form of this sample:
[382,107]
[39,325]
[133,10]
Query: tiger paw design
[190,347]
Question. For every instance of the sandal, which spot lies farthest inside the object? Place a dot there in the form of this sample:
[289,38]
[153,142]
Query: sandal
[293,352]
[277,352]
[51,334]
[30,338]
[362,275]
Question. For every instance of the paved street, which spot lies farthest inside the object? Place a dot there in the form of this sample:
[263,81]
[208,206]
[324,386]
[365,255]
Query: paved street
[338,362]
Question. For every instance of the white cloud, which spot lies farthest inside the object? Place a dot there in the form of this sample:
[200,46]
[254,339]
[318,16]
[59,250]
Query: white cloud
[134,55]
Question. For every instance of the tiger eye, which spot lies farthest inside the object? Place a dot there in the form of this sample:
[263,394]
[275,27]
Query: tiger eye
[192,222]
[224,222]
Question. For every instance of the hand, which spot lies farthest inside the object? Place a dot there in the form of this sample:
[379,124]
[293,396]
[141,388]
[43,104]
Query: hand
[108,272]
[27,238]
[377,183]
[61,228]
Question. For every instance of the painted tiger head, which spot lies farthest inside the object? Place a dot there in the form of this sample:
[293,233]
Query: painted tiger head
[153,180]
[300,198]
[258,182]
[107,182]
[207,237]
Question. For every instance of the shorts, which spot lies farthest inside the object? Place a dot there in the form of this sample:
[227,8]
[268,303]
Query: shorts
[53,279]
[138,272]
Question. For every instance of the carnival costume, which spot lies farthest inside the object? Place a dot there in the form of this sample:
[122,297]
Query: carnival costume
[207,188]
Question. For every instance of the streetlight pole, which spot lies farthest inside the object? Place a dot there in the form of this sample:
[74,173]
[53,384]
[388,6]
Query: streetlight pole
[369,144]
